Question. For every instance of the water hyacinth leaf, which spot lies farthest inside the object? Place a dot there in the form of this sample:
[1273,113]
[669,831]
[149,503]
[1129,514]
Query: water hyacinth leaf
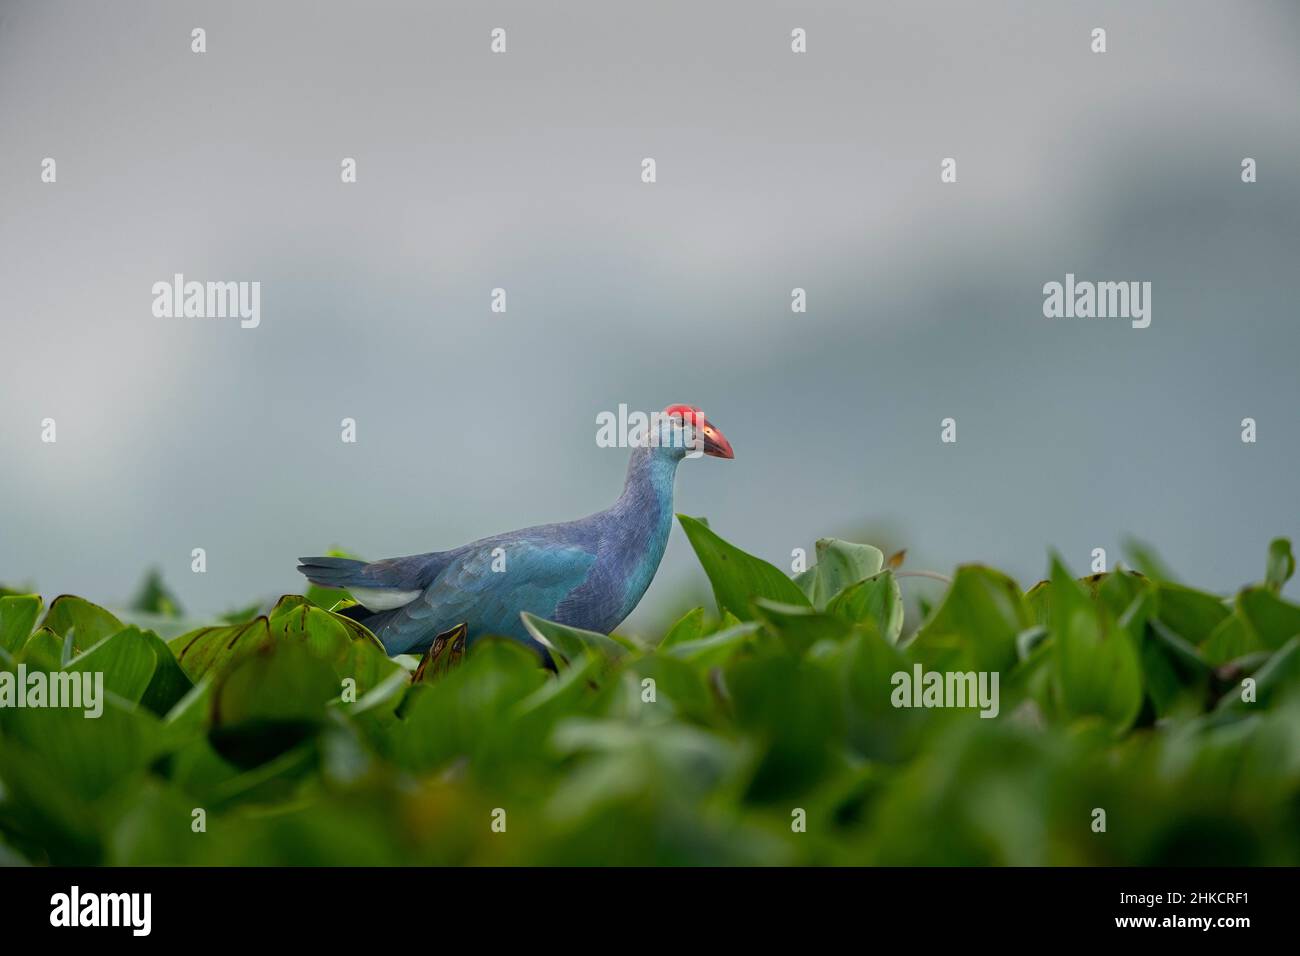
[1174,674]
[126,660]
[1192,615]
[43,650]
[1273,620]
[89,756]
[975,627]
[800,627]
[1119,589]
[717,648]
[1278,676]
[212,648]
[688,627]
[18,614]
[791,704]
[570,644]
[1281,564]
[1096,664]
[1232,639]
[840,564]
[877,599]
[737,577]
[269,701]
[91,621]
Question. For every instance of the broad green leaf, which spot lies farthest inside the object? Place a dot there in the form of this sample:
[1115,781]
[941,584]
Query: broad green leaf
[1192,615]
[269,701]
[570,644]
[975,627]
[800,627]
[718,647]
[43,649]
[1273,620]
[1279,675]
[688,628]
[877,599]
[1096,665]
[90,755]
[138,667]
[840,564]
[18,615]
[737,578]
[1281,564]
[211,648]
[92,622]
[1232,639]
[1174,673]
[126,660]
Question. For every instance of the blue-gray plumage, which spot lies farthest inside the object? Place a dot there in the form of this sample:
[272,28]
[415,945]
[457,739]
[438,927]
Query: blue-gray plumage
[588,573]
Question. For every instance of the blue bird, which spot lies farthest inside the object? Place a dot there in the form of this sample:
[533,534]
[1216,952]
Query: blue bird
[588,573]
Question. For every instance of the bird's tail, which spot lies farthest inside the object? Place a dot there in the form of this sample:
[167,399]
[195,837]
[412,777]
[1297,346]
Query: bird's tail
[332,572]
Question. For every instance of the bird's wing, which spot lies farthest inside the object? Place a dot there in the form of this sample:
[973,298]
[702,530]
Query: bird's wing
[486,587]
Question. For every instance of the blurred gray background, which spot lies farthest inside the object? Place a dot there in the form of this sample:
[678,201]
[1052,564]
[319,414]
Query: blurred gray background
[522,171]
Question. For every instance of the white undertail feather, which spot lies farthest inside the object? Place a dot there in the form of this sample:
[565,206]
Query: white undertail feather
[383,599]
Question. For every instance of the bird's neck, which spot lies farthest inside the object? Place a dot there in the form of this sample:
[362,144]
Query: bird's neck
[649,486]
[643,517]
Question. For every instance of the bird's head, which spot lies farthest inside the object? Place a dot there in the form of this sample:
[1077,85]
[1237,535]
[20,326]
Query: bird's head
[685,432]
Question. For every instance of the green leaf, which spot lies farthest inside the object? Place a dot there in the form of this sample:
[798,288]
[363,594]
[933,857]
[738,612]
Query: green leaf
[1096,665]
[212,648]
[1192,615]
[347,646]
[138,667]
[269,701]
[975,627]
[688,628]
[89,755]
[126,660]
[1279,675]
[738,578]
[717,648]
[1281,564]
[1232,639]
[92,622]
[840,564]
[877,599]
[572,644]
[800,627]
[1273,620]
[43,649]
[18,616]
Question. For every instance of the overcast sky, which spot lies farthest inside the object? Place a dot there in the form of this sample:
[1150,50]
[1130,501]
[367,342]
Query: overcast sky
[522,171]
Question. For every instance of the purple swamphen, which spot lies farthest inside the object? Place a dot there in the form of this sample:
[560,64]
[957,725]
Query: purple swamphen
[588,573]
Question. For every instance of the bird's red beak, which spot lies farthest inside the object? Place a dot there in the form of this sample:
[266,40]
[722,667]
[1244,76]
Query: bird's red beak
[715,443]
